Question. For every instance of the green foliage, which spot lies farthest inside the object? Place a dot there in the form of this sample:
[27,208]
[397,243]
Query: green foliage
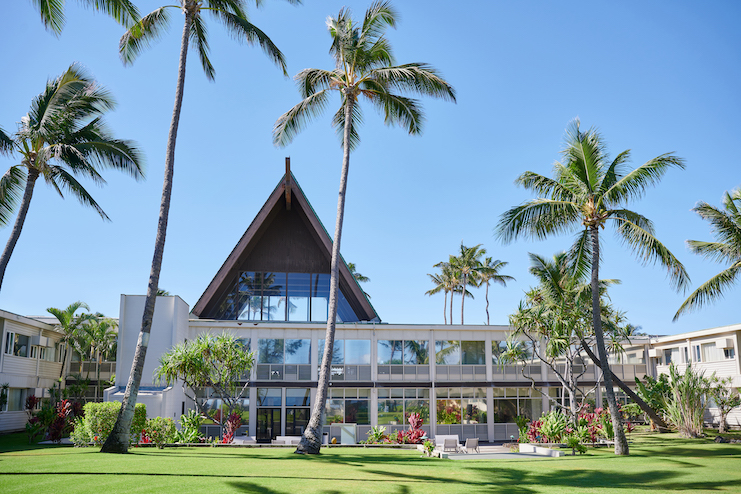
[99,420]
[686,406]
[4,395]
[377,435]
[574,442]
[553,425]
[725,397]
[190,424]
[656,392]
[523,424]
[429,447]
[161,431]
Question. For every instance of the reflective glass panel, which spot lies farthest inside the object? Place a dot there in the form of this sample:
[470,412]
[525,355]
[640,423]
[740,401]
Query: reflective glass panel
[270,351]
[497,349]
[335,411]
[473,353]
[298,397]
[319,297]
[269,397]
[357,352]
[298,351]
[448,352]
[299,295]
[390,412]
[338,352]
[20,346]
[422,407]
[416,353]
[247,298]
[390,351]
[448,411]
[356,412]
[274,297]
[505,410]
[474,411]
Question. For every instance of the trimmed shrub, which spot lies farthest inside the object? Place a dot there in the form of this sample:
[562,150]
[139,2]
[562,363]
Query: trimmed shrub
[160,431]
[100,418]
[190,425]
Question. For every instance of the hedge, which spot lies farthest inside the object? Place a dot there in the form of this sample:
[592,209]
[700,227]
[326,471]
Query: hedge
[99,420]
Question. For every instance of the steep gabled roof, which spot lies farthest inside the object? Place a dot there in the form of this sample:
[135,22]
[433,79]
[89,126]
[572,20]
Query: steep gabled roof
[286,235]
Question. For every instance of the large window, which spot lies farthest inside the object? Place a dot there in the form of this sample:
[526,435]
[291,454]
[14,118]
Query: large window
[711,353]
[461,405]
[403,359]
[350,359]
[348,405]
[298,402]
[273,353]
[271,296]
[511,402]
[460,360]
[395,405]
[17,344]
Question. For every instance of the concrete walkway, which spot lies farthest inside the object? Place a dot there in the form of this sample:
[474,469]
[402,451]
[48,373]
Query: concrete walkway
[494,452]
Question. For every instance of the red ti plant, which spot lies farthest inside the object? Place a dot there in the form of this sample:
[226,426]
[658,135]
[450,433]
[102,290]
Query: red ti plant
[61,421]
[415,433]
[233,422]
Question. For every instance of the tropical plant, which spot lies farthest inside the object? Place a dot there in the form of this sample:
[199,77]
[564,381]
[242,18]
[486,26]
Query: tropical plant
[63,137]
[358,277]
[490,272]
[587,192]
[726,227]
[233,422]
[377,434]
[364,67]
[686,405]
[725,398]
[232,14]
[553,426]
[656,392]
[218,362]
[99,419]
[69,325]
[190,427]
[52,12]
[574,442]
[102,335]
[160,431]
[468,264]
[429,447]
[447,282]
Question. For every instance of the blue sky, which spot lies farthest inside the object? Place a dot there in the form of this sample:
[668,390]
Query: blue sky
[653,77]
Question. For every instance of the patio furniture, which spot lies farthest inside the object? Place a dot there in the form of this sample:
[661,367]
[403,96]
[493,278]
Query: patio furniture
[472,444]
[450,445]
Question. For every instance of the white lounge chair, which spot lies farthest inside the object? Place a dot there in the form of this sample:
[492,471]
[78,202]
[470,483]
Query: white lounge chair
[472,444]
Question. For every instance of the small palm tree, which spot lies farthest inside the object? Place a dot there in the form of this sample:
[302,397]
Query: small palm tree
[232,14]
[446,281]
[52,12]
[364,69]
[726,227]
[63,137]
[490,272]
[587,192]
[69,325]
[358,277]
[102,334]
[468,264]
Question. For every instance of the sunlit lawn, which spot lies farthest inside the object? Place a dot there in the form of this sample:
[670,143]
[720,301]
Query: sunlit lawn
[658,463]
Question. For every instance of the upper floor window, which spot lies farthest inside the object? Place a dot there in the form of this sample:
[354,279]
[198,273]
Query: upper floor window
[711,353]
[460,352]
[280,351]
[17,344]
[400,352]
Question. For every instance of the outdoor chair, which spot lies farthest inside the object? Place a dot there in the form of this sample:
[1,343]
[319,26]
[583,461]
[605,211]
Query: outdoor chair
[472,445]
[450,445]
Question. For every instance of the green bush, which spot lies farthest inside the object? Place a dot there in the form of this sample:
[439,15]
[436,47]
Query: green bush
[161,431]
[100,418]
[190,425]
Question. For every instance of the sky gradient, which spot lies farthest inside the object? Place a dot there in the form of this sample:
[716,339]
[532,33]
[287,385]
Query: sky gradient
[653,77]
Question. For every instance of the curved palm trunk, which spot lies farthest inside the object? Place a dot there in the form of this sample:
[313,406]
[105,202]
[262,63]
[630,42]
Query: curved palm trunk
[18,225]
[487,303]
[463,296]
[118,440]
[445,308]
[621,443]
[311,441]
[655,418]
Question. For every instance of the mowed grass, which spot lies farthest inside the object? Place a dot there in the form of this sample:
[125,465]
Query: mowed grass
[658,463]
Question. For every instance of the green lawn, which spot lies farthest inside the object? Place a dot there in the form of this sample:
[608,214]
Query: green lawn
[658,463]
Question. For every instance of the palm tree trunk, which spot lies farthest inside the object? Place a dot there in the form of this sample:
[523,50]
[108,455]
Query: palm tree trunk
[621,442]
[655,417]
[445,308]
[452,292]
[33,174]
[118,440]
[311,441]
[100,361]
[463,296]
[487,303]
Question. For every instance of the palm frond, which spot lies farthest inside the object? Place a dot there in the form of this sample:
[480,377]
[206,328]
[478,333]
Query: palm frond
[398,110]
[293,121]
[633,185]
[338,122]
[714,251]
[118,154]
[377,18]
[309,81]
[417,78]
[545,186]
[615,171]
[537,219]
[12,184]
[244,31]
[143,33]
[584,155]
[580,255]
[52,14]
[199,40]
[6,143]
[711,290]
[61,179]
[122,11]
[648,248]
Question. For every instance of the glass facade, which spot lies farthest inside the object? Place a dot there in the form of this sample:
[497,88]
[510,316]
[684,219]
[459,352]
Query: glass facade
[295,297]
[395,405]
[348,405]
[350,359]
[511,402]
[461,405]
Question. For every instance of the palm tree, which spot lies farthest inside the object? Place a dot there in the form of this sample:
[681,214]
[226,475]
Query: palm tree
[726,227]
[231,13]
[101,333]
[62,137]
[488,272]
[364,67]
[468,264]
[52,12]
[587,192]
[69,325]
[358,277]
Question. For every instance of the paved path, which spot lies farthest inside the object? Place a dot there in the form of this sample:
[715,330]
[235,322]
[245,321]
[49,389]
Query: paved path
[495,453]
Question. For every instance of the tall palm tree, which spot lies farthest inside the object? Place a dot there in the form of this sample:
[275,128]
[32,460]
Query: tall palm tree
[726,227]
[358,277]
[364,67]
[587,192]
[69,325]
[232,14]
[52,12]
[488,272]
[102,335]
[62,137]
[468,264]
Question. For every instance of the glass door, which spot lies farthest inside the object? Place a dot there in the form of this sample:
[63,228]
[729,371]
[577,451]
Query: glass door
[268,424]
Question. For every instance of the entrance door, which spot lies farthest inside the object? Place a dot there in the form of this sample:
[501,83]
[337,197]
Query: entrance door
[268,424]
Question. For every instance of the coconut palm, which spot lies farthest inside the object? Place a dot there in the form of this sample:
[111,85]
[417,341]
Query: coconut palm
[364,68]
[102,334]
[69,325]
[232,14]
[468,264]
[52,11]
[447,282]
[489,272]
[358,277]
[588,192]
[726,227]
[62,138]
